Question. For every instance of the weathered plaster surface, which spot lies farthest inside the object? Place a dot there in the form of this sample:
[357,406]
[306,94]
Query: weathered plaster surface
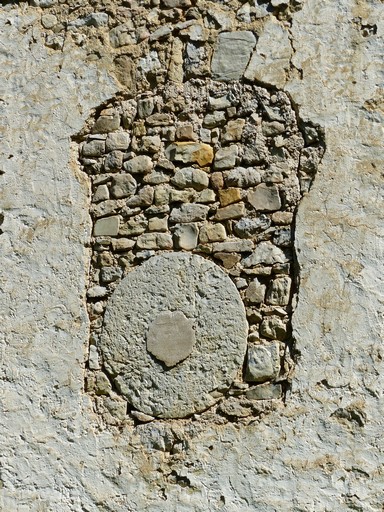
[323,449]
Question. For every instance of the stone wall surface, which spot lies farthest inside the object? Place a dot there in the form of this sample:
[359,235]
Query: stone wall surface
[321,449]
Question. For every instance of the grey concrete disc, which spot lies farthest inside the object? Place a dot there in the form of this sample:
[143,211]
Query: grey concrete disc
[176,291]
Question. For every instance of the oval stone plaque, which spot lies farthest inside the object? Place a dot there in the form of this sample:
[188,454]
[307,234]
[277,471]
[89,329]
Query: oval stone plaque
[174,332]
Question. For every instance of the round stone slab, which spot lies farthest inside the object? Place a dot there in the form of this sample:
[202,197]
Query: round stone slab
[206,342]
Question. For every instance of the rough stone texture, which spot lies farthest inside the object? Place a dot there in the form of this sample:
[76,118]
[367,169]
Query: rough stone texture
[322,450]
[197,289]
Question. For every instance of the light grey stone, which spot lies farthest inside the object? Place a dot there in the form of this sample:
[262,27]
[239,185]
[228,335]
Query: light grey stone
[123,185]
[225,158]
[143,198]
[189,213]
[122,244]
[231,55]
[141,164]
[117,140]
[265,198]
[201,291]
[206,196]
[270,62]
[266,253]
[97,292]
[243,177]
[190,177]
[110,274]
[145,107]
[106,226]
[101,194]
[247,227]
[255,293]
[185,236]
[48,20]
[279,291]
[104,208]
[263,363]
[93,358]
[154,241]
[233,245]
[171,337]
[161,32]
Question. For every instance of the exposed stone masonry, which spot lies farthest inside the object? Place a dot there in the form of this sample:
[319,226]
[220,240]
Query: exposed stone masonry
[212,168]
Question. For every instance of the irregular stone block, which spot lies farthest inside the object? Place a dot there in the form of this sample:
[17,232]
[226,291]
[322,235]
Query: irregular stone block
[233,211]
[265,392]
[233,130]
[233,246]
[225,158]
[189,213]
[229,195]
[262,363]
[158,224]
[212,233]
[141,164]
[93,148]
[154,241]
[185,236]
[190,177]
[247,228]
[265,198]
[279,291]
[107,123]
[190,152]
[255,292]
[266,253]
[113,161]
[271,59]
[123,185]
[273,327]
[243,177]
[117,141]
[110,274]
[231,55]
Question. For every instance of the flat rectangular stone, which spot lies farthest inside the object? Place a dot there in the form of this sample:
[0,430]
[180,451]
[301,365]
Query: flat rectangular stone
[108,226]
[233,246]
[233,211]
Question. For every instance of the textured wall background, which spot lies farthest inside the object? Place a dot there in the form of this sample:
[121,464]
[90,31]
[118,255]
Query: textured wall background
[323,449]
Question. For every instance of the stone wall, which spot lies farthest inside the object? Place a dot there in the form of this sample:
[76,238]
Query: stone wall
[163,167]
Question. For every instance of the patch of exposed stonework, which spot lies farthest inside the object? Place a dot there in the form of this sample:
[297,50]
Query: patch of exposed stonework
[211,168]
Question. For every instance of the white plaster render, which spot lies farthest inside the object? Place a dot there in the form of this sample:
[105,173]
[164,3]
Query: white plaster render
[323,449]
